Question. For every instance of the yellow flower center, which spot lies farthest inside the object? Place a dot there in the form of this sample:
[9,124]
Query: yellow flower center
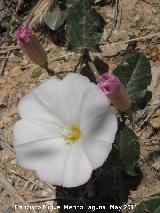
[72,134]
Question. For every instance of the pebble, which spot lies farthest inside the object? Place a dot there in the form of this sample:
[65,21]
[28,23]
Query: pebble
[113,50]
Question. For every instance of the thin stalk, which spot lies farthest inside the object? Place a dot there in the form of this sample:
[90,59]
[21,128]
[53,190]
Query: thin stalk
[94,70]
[91,65]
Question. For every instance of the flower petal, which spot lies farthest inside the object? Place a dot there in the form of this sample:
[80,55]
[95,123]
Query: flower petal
[55,161]
[52,168]
[35,146]
[94,102]
[71,169]
[74,86]
[102,126]
[78,169]
[98,135]
[44,103]
[55,101]
[96,150]
[26,132]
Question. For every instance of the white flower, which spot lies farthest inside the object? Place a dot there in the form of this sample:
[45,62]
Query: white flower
[66,130]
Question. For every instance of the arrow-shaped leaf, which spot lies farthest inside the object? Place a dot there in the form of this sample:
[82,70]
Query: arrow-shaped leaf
[129,150]
[151,206]
[135,74]
[83,27]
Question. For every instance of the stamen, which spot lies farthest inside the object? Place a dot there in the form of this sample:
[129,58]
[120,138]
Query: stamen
[72,134]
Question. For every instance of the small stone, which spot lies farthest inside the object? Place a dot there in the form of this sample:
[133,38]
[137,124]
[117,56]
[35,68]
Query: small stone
[113,50]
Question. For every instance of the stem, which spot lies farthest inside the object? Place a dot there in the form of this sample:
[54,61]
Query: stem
[80,62]
[91,65]
[94,70]
[82,59]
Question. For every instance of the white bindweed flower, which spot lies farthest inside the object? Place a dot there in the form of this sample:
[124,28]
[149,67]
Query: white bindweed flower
[66,130]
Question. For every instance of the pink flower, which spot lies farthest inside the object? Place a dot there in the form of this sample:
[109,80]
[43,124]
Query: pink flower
[115,91]
[31,45]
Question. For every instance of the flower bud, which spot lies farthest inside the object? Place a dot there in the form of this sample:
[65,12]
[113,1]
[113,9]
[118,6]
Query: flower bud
[115,91]
[31,45]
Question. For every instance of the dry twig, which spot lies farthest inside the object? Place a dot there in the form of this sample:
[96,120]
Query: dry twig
[43,199]
[8,49]
[4,63]
[115,19]
[134,39]
[4,142]
[29,180]
[36,15]
[11,190]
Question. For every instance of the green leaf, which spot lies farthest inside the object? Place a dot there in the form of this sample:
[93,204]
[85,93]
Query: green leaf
[129,150]
[83,27]
[54,17]
[135,74]
[152,206]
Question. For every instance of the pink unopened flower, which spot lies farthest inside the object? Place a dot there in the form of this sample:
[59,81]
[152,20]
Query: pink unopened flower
[115,91]
[31,45]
